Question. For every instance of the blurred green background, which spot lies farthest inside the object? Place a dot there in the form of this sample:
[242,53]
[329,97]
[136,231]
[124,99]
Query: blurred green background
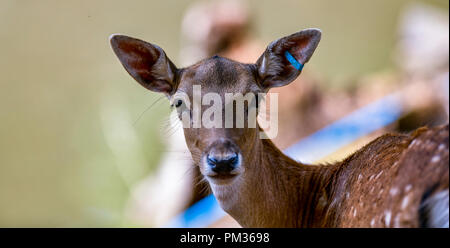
[69,151]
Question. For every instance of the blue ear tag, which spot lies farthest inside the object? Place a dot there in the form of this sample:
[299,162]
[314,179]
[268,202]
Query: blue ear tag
[293,61]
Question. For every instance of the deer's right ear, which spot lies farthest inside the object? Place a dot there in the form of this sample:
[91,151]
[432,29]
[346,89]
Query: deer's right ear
[146,63]
[284,58]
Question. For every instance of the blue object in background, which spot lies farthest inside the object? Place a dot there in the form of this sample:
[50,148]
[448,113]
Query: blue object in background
[346,130]
[202,214]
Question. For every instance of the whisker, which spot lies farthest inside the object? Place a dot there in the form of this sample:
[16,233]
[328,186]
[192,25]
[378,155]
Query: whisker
[149,107]
[172,130]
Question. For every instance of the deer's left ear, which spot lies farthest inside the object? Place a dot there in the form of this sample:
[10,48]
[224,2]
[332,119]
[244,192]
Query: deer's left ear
[284,58]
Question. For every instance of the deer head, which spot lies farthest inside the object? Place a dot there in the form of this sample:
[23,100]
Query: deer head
[222,153]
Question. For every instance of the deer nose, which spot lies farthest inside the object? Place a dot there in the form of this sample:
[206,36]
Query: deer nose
[223,163]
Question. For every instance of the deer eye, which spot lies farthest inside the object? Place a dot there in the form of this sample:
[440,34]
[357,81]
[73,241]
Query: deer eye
[178,103]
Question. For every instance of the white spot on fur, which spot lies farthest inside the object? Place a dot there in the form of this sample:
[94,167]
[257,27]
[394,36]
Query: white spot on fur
[393,191]
[371,177]
[405,202]
[408,188]
[354,212]
[435,159]
[359,177]
[347,195]
[372,222]
[441,147]
[387,218]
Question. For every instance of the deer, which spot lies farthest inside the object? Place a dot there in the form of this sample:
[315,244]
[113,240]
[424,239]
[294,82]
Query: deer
[396,180]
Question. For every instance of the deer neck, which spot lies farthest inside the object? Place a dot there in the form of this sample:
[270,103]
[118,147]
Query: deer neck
[276,191]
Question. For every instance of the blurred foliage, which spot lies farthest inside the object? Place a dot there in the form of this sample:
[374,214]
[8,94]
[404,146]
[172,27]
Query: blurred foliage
[70,144]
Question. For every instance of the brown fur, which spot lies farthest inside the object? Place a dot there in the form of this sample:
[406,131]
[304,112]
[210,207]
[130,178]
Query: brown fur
[381,185]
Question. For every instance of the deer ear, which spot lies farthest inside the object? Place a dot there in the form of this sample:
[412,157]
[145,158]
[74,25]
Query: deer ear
[146,63]
[284,58]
